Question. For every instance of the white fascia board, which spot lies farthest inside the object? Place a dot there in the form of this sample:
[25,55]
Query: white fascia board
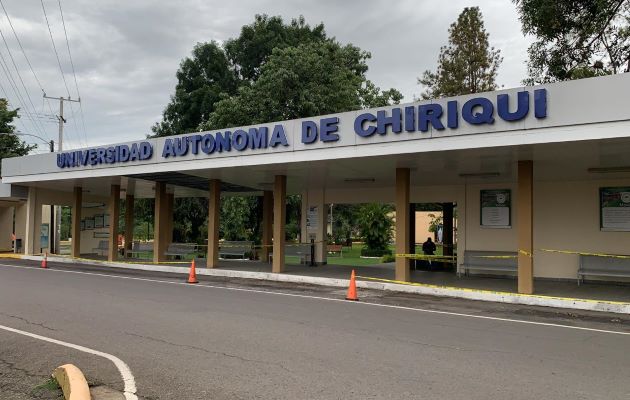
[609,130]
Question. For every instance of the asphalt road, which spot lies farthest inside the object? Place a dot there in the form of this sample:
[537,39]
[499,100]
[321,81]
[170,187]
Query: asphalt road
[229,339]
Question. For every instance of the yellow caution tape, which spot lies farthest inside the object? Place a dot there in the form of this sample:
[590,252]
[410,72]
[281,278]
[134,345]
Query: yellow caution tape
[447,259]
[581,253]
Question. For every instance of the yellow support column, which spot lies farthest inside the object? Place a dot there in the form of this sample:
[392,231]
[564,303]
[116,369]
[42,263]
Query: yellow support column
[267,225]
[402,223]
[170,203]
[525,217]
[114,213]
[214,203]
[279,216]
[160,225]
[129,222]
[77,205]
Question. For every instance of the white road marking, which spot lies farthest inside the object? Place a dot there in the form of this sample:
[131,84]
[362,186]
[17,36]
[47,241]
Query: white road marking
[358,303]
[125,372]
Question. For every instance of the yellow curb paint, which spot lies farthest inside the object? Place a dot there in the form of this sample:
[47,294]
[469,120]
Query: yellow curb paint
[72,382]
[120,261]
[492,291]
[10,255]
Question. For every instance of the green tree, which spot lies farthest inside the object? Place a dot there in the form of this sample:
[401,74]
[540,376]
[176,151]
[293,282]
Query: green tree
[575,38]
[344,223]
[375,226]
[467,64]
[10,145]
[310,79]
[272,71]
[201,80]
[233,218]
[248,52]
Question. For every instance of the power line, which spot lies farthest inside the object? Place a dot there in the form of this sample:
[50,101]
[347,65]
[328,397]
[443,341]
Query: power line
[17,71]
[76,84]
[63,76]
[20,99]
[55,49]
[24,54]
[7,98]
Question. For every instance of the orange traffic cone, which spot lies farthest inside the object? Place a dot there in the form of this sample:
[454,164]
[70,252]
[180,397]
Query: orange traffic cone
[192,276]
[352,289]
[45,261]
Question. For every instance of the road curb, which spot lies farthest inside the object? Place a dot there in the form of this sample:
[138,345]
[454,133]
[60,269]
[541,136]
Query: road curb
[392,286]
[72,382]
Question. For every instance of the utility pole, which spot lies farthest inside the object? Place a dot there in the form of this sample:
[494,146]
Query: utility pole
[60,117]
[56,221]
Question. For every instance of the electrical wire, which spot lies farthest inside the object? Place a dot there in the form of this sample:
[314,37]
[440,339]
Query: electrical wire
[17,39]
[76,84]
[17,71]
[55,49]
[7,98]
[18,95]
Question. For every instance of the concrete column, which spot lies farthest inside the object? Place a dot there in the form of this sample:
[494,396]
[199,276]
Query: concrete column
[160,223]
[75,229]
[129,221]
[279,217]
[524,219]
[170,211]
[412,234]
[317,228]
[32,226]
[20,223]
[447,235]
[214,204]
[402,223]
[114,213]
[267,225]
[6,228]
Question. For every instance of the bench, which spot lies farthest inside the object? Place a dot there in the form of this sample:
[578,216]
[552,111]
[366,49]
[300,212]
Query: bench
[103,246]
[603,266]
[478,260]
[235,249]
[302,250]
[334,249]
[181,250]
[139,248]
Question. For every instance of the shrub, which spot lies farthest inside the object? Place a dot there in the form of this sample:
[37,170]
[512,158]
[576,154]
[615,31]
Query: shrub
[387,258]
[376,227]
[366,252]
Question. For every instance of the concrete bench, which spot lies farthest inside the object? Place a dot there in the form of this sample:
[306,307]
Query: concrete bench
[139,248]
[603,266]
[181,250]
[302,250]
[103,246]
[335,249]
[482,260]
[235,249]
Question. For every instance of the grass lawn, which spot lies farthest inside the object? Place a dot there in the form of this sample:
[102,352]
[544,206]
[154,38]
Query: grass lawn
[352,256]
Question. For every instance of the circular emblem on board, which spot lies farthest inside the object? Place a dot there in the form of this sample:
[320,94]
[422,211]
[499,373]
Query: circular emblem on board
[501,198]
[625,197]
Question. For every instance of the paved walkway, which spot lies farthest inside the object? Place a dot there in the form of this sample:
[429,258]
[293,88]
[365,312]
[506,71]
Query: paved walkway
[570,289]
[595,291]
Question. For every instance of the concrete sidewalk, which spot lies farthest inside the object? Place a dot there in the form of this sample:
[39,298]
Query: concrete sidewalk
[594,297]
